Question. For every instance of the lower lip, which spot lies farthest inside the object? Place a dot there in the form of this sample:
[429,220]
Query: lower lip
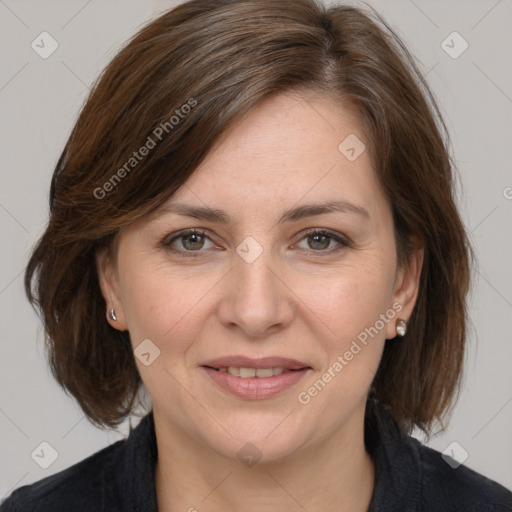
[255,388]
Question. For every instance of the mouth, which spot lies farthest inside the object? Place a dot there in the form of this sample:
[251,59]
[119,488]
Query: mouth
[255,379]
[248,373]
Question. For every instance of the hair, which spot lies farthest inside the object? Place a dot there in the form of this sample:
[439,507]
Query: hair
[192,73]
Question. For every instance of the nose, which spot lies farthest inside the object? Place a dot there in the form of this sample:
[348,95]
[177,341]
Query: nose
[256,299]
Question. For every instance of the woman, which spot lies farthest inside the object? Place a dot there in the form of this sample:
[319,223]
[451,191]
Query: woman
[253,218]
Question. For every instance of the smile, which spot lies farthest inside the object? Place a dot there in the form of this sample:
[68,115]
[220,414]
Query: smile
[255,379]
[247,373]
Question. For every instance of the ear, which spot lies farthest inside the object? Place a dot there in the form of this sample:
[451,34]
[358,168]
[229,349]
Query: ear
[406,286]
[109,286]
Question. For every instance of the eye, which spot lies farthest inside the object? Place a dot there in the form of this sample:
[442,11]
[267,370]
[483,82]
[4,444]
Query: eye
[319,240]
[191,240]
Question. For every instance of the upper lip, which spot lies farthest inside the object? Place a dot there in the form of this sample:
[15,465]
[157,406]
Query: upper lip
[262,362]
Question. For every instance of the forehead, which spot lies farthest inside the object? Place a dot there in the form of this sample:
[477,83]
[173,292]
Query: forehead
[288,147]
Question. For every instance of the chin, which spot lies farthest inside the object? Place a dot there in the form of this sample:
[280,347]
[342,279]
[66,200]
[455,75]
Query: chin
[260,441]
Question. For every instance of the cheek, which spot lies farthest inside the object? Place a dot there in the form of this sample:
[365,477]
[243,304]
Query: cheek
[143,301]
[351,314]
[160,303]
[351,307]
[349,299]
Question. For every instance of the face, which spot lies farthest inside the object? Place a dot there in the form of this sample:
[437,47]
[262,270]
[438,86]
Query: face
[267,322]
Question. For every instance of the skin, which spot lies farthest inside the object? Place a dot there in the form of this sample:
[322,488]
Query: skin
[300,299]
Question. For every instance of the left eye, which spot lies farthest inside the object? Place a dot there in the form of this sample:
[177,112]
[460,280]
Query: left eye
[193,240]
[318,240]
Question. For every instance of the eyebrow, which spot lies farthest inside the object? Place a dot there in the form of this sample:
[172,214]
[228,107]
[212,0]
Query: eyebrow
[294,214]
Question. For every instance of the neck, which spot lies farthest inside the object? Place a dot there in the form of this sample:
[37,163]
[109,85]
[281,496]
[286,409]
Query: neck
[337,474]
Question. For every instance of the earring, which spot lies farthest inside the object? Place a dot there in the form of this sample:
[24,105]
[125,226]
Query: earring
[112,315]
[401,327]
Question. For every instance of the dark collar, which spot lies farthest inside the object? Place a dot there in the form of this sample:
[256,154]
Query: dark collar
[137,478]
[397,459]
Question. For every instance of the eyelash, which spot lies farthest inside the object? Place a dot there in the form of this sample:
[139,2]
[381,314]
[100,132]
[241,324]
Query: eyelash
[310,232]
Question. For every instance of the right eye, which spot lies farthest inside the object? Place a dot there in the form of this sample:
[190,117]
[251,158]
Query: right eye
[191,240]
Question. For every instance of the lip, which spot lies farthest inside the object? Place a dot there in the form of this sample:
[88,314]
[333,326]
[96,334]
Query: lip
[260,362]
[255,388]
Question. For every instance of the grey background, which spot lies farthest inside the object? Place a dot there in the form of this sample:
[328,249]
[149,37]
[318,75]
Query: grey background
[39,102]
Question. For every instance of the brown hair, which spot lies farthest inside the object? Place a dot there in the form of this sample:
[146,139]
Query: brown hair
[191,73]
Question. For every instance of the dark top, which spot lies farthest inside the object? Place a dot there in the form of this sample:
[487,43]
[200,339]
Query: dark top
[410,477]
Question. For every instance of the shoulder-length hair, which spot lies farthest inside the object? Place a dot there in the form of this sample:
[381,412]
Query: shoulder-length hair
[175,87]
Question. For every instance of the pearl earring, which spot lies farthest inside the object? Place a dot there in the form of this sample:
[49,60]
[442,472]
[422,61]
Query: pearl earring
[401,327]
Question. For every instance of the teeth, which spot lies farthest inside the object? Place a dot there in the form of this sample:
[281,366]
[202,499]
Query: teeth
[264,372]
[247,373]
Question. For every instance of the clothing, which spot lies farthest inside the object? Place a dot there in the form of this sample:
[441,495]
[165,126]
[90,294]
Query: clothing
[409,477]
